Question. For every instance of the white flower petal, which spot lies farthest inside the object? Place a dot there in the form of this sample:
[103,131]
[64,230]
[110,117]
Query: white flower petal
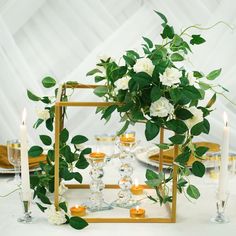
[144,65]
[161,108]
[170,77]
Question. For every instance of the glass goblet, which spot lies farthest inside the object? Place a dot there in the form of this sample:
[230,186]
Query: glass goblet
[106,143]
[14,158]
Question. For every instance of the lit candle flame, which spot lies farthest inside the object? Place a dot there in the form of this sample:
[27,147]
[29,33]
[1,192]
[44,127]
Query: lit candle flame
[225,118]
[137,208]
[76,206]
[136,182]
[23,116]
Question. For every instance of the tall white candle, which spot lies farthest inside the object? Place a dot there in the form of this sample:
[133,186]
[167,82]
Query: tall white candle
[223,176]
[25,181]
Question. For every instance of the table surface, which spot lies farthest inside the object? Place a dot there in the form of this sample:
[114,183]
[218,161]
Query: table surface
[192,217]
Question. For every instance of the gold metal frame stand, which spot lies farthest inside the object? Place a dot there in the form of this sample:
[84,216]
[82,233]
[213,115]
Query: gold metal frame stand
[59,106]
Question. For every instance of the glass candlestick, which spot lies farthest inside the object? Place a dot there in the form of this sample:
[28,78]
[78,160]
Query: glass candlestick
[126,146]
[220,217]
[96,202]
[26,218]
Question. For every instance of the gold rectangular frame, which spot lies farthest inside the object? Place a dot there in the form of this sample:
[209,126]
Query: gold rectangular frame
[59,123]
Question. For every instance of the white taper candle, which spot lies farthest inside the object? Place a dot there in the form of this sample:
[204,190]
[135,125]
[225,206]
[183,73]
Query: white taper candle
[25,181]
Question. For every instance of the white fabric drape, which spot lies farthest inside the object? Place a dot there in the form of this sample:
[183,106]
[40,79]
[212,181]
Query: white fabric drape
[63,38]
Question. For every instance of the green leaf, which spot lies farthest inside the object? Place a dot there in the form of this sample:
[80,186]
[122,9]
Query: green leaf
[155,93]
[198,74]
[46,140]
[108,111]
[151,131]
[211,101]
[35,151]
[163,17]
[63,206]
[99,78]
[175,95]
[206,126]
[198,169]
[77,222]
[176,57]
[92,72]
[200,151]
[48,82]
[204,86]
[45,100]
[168,32]
[197,129]
[78,177]
[213,74]
[49,124]
[191,92]
[183,114]
[129,61]
[163,146]
[177,139]
[142,79]
[44,199]
[82,163]
[150,174]
[193,192]
[32,96]
[183,157]
[177,126]
[100,91]
[66,174]
[42,208]
[149,42]
[124,128]
[132,53]
[38,123]
[197,39]
[34,180]
[153,182]
[64,135]
[78,139]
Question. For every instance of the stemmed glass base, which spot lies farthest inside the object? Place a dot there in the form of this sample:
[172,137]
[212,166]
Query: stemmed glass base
[26,218]
[220,217]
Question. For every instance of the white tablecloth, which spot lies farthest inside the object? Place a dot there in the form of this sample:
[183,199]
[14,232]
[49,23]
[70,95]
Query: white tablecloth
[192,218]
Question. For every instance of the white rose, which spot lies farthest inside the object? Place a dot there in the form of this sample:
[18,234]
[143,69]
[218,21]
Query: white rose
[196,118]
[55,217]
[144,65]
[43,114]
[191,78]
[62,189]
[170,77]
[161,108]
[123,83]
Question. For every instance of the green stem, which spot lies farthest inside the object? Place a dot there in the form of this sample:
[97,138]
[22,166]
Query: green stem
[206,28]
[6,195]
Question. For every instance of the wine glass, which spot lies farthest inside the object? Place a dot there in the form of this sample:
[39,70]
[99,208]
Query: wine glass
[13,153]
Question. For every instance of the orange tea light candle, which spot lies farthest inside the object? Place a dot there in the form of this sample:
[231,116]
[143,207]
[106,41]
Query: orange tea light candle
[78,210]
[127,138]
[97,155]
[137,212]
[136,189]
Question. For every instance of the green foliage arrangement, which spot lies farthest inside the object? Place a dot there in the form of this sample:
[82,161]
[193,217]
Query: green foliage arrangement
[71,154]
[154,90]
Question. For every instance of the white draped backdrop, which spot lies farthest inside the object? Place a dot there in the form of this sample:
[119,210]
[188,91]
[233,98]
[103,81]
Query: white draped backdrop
[63,38]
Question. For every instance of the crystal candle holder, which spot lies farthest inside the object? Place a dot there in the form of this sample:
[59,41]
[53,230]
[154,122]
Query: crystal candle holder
[125,198]
[97,161]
